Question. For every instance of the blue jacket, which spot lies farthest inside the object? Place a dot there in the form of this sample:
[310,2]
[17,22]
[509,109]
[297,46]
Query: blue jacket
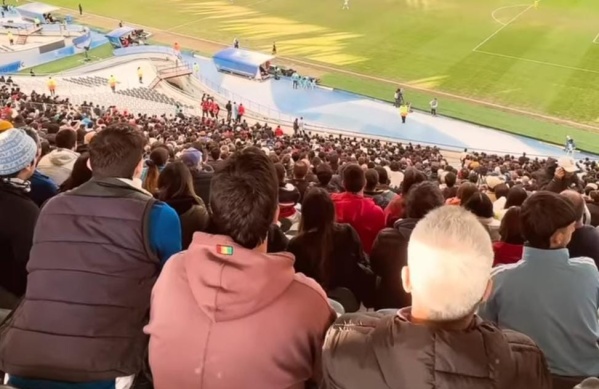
[553,299]
[43,188]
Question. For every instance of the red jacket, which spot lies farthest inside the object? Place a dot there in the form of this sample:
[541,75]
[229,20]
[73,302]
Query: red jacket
[362,214]
[279,131]
[506,253]
[395,210]
[241,110]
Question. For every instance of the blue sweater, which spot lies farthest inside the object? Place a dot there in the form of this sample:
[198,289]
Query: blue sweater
[165,240]
[553,299]
[42,188]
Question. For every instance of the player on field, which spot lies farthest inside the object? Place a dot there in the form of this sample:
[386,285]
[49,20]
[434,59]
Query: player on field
[345,4]
[570,146]
[434,105]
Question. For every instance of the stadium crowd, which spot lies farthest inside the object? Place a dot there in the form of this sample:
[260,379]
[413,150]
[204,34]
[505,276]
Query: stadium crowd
[143,251]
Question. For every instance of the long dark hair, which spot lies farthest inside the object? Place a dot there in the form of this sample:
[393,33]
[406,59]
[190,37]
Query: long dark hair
[175,181]
[79,175]
[510,229]
[158,157]
[318,217]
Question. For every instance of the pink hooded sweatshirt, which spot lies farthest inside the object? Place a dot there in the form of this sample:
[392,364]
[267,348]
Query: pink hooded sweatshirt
[243,320]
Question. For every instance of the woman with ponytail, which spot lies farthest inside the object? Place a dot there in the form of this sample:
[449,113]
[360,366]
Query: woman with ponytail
[154,165]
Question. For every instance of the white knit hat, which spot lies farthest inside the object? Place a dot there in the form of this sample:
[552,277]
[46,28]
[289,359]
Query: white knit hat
[17,151]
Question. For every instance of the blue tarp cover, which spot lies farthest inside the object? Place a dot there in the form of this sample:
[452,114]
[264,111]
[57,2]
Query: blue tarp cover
[240,61]
[119,32]
[36,10]
[114,36]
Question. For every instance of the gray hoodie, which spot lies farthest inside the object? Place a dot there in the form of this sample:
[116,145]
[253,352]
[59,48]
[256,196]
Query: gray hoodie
[58,164]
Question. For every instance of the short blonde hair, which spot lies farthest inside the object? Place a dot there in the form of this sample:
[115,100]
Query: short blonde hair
[450,257]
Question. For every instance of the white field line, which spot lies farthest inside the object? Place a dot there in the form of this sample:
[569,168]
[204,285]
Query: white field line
[183,24]
[502,27]
[538,62]
[502,8]
[596,41]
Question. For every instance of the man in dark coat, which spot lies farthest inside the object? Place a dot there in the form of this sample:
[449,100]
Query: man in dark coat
[438,341]
[18,153]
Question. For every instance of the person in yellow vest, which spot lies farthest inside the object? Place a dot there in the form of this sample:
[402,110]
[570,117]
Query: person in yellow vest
[196,68]
[403,111]
[52,86]
[112,83]
[37,22]
[11,38]
[140,75]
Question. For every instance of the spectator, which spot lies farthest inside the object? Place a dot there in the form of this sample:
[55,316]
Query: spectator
[154,165]
[353,208]
[438,341]
[324,174]
[480,205]
[79,175]
[387,258]
[18,153]
[58,164]
[385,194]
[214,159]
[300,171]
[450,190]
[465,191]
[561,320]
[509,248]
[564,177]
[593,206]
[96,255]
[175,188]
[289,197]
[585,239]
[201,177]
[395,209]
[372,182]
[261,305]
[515,197]
[497,188]
[421,199]
[329,252]
[396,177]
[42,186]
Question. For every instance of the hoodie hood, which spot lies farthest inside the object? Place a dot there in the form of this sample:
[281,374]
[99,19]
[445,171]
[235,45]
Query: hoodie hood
[406,226]
[229,287]
[62,157]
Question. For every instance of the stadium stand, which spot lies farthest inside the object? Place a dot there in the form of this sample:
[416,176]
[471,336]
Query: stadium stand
[255,241]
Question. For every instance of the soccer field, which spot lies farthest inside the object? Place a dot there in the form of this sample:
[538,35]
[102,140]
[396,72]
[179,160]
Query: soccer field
[541,59]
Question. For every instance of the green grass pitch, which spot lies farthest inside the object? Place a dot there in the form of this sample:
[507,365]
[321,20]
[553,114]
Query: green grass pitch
[542,59]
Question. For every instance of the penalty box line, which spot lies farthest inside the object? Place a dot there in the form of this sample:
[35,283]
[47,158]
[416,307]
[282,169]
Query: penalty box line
[502,27]
[538,62]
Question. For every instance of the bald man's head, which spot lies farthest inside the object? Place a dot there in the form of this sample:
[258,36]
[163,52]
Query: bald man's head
[577,201]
